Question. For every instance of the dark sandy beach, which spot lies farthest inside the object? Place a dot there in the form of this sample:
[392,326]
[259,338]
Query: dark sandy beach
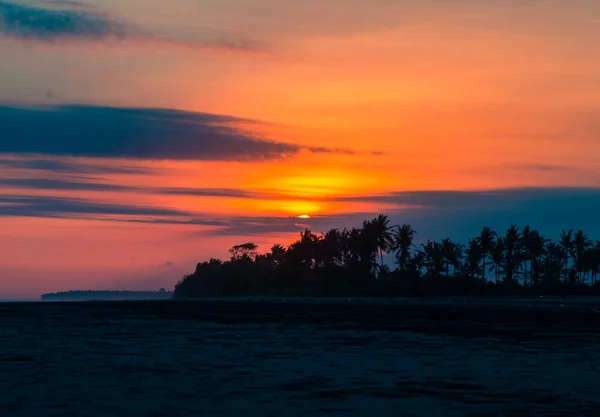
[436,357]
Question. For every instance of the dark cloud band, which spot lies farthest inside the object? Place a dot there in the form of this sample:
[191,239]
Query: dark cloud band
[65,21]
[109,132]
[26,22]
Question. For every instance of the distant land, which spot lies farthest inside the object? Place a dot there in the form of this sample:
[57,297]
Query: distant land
[91,295]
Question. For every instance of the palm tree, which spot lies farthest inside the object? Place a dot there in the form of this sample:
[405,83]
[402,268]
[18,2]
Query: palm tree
[498,257]
[305,251]
[581,243]
[403,237]
[533,244]
[474,255]
[278,254]
[452,253]
[368,246]
[486,242]
[418,262]
[332,247]
[512,247]
[566,241]
[351,247]
[594,262]
[553,262]
[433,257]
[384,234]
[525,235]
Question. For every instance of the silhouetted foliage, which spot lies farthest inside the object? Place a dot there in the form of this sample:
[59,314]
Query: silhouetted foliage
[350,262]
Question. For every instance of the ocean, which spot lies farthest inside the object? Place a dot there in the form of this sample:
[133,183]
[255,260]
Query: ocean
[294,357]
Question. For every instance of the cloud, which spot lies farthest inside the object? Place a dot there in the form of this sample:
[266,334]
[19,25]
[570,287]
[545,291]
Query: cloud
[256,226]
[111,132]
[71,166]
[221,192]
[69,4]
[165,265]
[62,185]
[91,184]
[83,209]
[540,167]
[57,207]
[435,214]
[27,22]
[461,214]
[481,200]
[76,21]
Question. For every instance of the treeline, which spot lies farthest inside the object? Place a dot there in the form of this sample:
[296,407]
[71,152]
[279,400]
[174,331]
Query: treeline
[350,262]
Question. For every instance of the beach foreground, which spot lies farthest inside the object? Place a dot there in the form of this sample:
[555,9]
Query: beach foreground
[435,357]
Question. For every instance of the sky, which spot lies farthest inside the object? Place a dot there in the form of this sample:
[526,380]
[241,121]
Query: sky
[140,137]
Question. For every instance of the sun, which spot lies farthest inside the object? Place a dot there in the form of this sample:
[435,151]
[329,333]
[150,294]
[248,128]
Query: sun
[304,216]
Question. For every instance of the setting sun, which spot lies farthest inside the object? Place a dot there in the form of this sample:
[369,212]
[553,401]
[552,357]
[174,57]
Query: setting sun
[304,216]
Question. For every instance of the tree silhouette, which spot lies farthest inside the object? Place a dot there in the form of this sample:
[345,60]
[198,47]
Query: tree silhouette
[382,233]
[344,263]
[581,243]
[513,257]
[566,241]
[498,256]
[486,243]
[244,251]
[402,243]
[533,244]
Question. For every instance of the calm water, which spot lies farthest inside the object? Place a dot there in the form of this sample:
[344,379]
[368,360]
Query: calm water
[256,358]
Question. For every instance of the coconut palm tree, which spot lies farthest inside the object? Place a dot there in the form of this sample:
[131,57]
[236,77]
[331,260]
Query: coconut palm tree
[277,254]
[305,251]
[433,257]
[533,245]
[384,234]
[594,262]
[498,256]
[332,247]
[486,242]
[566,241]
[513,259]
[368,245]
[351,243]
[553,262]
[403,237]
[581,243]
[474,255]
[452,253]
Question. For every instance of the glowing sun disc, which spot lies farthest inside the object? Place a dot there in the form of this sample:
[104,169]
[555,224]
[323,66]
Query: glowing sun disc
[304,216]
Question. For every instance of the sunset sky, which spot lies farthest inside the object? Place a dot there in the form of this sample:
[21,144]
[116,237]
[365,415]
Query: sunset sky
[138,137]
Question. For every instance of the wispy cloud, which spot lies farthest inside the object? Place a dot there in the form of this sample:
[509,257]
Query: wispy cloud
[461,214]
[70,166]
[109,132]
[29,22]
[84,209]
[93,184]
[435,214]
[69,4]
[72,21]
[548,197]
[57,207]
